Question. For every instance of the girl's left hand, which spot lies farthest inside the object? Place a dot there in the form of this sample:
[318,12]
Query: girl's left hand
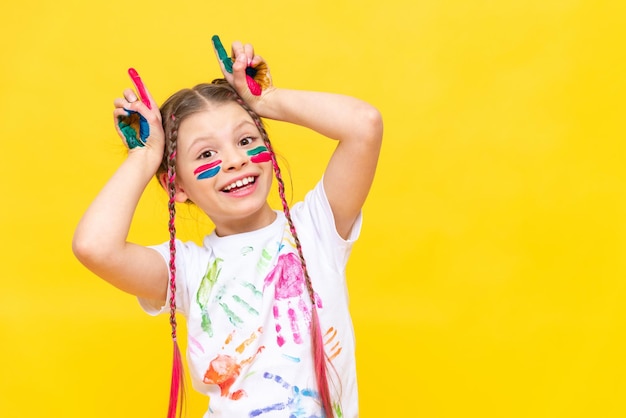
[248,73]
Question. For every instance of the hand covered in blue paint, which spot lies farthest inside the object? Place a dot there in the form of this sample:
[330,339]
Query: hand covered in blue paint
[247,72]
[139,124]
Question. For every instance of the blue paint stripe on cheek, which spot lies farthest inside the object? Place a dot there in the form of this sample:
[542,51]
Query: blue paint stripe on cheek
[209,173]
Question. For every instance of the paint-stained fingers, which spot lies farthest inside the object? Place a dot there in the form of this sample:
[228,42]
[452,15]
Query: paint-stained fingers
[153,118]
[134,121]
[226,63]
[240,68]
[132,102]
[144,94]
[150,103]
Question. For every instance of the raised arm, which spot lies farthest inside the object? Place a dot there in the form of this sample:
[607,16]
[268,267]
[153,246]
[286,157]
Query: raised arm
[100,240]
[358,128]
[355,124]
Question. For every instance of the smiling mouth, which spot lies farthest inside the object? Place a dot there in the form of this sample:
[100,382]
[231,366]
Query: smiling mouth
[239,184]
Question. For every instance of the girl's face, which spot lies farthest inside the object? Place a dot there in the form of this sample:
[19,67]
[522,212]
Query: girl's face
[223,166]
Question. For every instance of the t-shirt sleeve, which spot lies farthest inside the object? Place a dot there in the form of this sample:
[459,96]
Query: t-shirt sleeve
[316,215]
[184,253]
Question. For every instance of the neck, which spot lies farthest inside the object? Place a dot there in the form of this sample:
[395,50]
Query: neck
[262,218]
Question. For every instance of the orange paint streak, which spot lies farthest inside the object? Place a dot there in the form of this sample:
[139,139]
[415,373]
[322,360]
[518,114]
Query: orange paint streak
[334,334]
[228,339]
[241,347]
[330,358]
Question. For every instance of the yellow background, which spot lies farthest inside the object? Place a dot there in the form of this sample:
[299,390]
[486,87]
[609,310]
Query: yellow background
[489,280]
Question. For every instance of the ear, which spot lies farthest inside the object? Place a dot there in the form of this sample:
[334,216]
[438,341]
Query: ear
[179,195]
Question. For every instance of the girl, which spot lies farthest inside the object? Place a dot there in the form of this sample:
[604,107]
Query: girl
[266,286]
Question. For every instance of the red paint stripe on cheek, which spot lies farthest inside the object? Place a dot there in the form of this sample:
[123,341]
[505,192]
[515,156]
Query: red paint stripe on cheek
[261,158]
[206,167]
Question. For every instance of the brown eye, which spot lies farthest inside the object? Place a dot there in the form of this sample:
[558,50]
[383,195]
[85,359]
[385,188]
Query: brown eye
[246,141]
[206,154]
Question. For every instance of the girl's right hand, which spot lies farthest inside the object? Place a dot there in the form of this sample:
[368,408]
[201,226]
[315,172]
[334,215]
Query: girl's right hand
[138,126]
[246,72]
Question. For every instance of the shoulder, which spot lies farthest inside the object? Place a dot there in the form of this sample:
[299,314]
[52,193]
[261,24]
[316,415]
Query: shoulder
[183,248]
[315,213]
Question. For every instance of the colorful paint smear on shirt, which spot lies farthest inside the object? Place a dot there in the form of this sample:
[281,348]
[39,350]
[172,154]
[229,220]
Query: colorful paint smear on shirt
[338,410]
[287,279]
[295,399]
[252,288]
[237,308]
[194,345]
[264,260]
[333,347]
[233,318]
[204,294]
[224,369]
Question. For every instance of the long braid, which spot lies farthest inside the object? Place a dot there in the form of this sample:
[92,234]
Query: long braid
[317,341]
[177,388]
[171,189]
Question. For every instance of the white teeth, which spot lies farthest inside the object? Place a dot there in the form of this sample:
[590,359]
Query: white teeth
[239,183]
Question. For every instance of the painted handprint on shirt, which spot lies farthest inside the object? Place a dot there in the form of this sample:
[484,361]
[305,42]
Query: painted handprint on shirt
[295,399]
[224,369]
[227,297]
[290,297]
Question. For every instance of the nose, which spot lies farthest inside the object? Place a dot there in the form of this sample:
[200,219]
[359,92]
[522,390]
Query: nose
[234,159]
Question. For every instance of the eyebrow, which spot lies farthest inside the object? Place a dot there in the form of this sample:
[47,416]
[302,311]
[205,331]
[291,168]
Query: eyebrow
[242,123]
[195,141]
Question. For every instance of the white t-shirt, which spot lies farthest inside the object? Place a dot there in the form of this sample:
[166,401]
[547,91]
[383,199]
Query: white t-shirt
[248,315]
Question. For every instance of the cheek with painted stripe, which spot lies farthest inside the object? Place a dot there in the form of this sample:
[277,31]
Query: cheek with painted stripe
[207,171]
[259,155]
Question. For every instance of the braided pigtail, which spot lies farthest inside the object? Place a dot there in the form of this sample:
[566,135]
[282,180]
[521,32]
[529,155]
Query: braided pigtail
[177,387]
[317,341]
[179,106]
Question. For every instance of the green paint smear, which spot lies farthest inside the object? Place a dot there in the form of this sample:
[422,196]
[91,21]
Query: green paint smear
[338,411]
[130,134]
[257,293]
[204,292]
[246,305]
[265,259]
[232,317]
[222,55]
